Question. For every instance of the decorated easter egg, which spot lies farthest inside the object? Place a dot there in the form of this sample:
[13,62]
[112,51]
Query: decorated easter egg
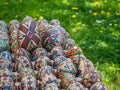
[5,63]
[52,86]
[13,25]
[6,55]
[43,61]
[98,86]
[6,83]
[4,41]
[5,72]
[73,51]
[77,58]
[48,79]
[39,52]
[28,36]
[46,70]
[52,38]
[19,74]
[56,51]
[13,29]
[66,79]
[42,26]
[69,43]
[27,71]
[3,26]
[64,34]
[84,66]
[76,86]
[91,77]
[22,62]
[59,60]
[22,52]
[64,64]
[55,22]
[28,83]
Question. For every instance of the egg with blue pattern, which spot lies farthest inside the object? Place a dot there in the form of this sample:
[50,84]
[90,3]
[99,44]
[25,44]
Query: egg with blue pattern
[6,55]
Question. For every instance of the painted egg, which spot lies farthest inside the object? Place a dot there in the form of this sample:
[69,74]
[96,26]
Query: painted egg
[6,83]
[55,22]
[69,44]
[46,70]
[27,71]
[52,38]
[76,86]
[28,83]
[64,34]
[13,29]
[98,86]
[56,51]
[23,73]
[91,77]
[42,26]
[52,86]
[57,26]
[6,55]
[59,60]
[48,79]
[5,72]
[65,65]
[4,41]
[3,26]
[22,62]
[77,58]
[82,64]
[22,52]
[13,25]
[43,61]
[5,63]
[71,52]
[66,79]
[28,36]
[39,52]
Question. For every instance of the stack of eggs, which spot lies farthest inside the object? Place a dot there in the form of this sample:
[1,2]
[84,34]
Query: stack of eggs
[42,56]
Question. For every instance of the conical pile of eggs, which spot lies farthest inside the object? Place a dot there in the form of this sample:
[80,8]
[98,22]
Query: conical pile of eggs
[42,56]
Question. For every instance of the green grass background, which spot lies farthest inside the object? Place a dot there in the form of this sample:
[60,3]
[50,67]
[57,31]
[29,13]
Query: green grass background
[93,24]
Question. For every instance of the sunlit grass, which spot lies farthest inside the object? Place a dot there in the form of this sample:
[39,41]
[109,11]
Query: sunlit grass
[110,74]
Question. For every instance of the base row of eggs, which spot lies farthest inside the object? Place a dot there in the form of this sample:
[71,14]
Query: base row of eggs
[21,72]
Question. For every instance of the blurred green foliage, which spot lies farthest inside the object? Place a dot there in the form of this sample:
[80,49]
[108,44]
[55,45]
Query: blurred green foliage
[93,24]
